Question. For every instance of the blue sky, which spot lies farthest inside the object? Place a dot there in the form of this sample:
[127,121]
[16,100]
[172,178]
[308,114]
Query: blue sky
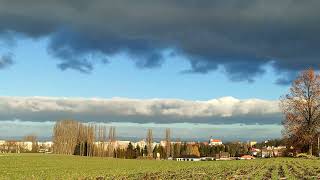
[35,73]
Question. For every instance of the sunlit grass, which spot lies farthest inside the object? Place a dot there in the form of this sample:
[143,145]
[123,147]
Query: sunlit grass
[49,166]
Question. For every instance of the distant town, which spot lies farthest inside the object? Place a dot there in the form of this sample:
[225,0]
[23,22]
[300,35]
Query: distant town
[73,138]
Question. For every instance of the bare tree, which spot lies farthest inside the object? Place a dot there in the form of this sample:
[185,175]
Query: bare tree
[86,137]
[65,136]
[112,140]
[168,142]
[101,141]
[90,139]
[149,143]
[33,139]
[301,108]
[72,137]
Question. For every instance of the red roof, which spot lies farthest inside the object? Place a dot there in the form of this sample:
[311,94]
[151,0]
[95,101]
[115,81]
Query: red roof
[215,140]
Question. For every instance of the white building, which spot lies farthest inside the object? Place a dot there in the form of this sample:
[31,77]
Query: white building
[141,144]
[26,145]
[188,159]
[215,142]
[121,144]
[255,151]
[47,144]
[2,142]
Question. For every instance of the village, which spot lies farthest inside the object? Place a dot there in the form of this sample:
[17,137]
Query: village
[194,151]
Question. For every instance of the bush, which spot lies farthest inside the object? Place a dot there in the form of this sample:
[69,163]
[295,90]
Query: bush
[304,155]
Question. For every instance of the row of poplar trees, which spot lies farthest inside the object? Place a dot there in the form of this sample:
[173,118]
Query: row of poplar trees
[74,138]
[71,137]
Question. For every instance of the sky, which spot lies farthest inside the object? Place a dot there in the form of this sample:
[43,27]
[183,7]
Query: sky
[202,68]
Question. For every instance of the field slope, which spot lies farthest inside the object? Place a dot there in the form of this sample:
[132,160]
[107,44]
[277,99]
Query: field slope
[43,166]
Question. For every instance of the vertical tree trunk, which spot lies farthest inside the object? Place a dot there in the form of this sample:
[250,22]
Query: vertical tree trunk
[310,149]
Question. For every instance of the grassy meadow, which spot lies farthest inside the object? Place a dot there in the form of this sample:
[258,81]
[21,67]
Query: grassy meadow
[45,166]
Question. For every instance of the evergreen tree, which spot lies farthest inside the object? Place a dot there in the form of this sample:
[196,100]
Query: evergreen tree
[130,153]
[145,151]
[137,151]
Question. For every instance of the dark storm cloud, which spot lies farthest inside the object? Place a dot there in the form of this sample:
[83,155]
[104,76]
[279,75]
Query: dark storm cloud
[241,36]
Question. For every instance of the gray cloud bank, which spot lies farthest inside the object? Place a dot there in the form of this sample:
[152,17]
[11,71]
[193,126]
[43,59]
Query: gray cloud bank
[241,36]
[226,110]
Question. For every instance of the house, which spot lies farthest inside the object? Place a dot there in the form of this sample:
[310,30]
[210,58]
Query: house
[215,142]
[266,152]
[188,159]
[279,151]
[272,151]
[255,151]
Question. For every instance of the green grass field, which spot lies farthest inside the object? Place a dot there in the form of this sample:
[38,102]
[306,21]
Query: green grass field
[44,166]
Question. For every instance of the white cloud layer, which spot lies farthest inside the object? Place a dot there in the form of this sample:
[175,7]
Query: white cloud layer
[15,129]
[225,110]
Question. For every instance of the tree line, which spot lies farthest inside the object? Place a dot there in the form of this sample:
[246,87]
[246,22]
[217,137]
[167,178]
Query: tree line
[183,150]
[74,138]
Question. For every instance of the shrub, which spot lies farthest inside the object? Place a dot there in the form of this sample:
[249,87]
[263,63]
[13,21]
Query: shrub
[304,155]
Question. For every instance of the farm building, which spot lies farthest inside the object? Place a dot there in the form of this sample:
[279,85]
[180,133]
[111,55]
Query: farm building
[215,142]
